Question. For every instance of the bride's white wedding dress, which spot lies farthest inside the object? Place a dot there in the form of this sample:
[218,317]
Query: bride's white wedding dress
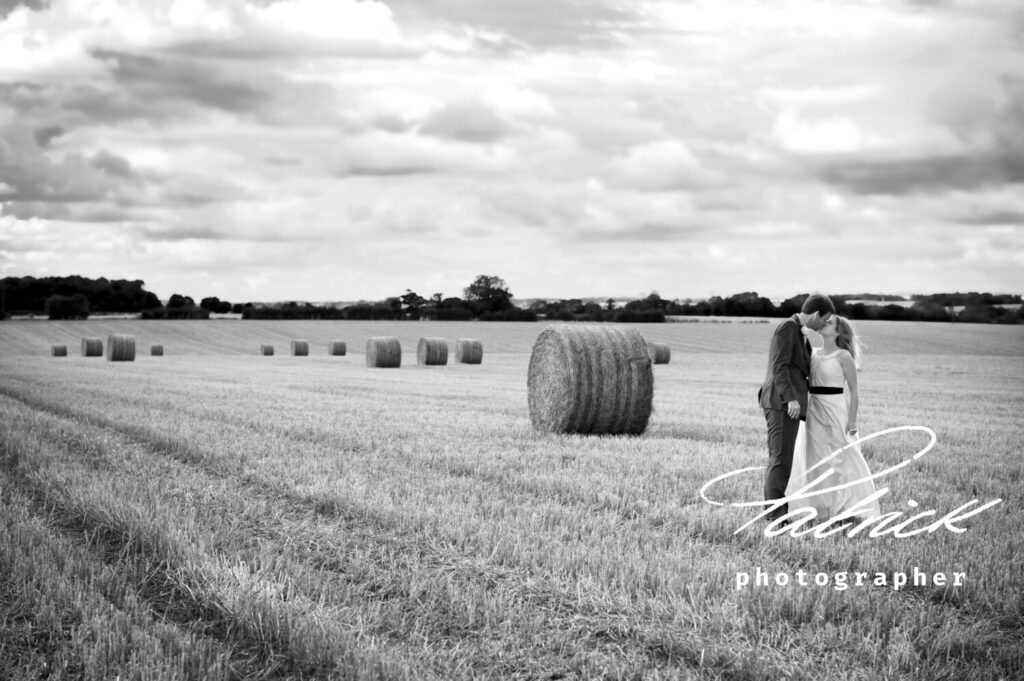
[817,441]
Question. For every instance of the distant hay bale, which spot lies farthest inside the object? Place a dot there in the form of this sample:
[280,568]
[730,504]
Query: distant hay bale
[59,350]
[469,351]
[300,348]
[92,347]
[120,347]
[590,379]
[156,350]
[432,352]
[384,352]
[660,353]
[266,349]
[336,348]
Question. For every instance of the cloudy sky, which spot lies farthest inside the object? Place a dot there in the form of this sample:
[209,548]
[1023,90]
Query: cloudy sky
[338,150]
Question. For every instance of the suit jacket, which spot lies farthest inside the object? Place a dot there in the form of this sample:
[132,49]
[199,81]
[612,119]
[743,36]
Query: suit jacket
[789,366]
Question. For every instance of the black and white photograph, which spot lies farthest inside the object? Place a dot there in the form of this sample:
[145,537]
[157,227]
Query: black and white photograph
[538,340]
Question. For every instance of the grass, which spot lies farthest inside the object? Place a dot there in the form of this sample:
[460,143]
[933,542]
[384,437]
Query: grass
[193,516]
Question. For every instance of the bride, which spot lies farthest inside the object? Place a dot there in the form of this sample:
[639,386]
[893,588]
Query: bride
[831,426]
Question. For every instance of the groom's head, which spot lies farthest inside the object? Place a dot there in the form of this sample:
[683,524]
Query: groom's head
[816,310]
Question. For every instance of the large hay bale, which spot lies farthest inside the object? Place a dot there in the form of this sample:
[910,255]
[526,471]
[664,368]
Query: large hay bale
[469,351]
[590,379]
[92,347]
[660,353]
[120,347]
[156,350]
[336,348]
[59,350]
[300,348]
[266,349]
[384,352]
[432,352]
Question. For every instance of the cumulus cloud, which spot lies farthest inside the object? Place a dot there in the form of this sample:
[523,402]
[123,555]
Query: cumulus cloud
[530,23]
[660,165]
[548,139]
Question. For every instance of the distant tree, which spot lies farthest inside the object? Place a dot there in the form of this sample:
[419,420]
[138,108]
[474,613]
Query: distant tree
[210,304]
[653,301]
[634,316]
[748,304]
[930,311]
[980,313]
[1011,317]
[451,309]
[214,304]
[489,293]
[29,294]
[413,303]
[67,307]
[178,300]
[790,306]
[180,307]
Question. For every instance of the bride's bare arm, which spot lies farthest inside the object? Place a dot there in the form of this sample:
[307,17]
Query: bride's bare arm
[850,373]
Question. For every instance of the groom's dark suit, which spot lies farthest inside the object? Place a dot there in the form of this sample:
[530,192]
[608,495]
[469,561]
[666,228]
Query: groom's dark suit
[789,364]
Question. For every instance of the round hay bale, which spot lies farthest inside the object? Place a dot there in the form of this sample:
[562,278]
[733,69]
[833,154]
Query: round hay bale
[120,347]
[432,352]
[266,349]
[92,347]
[384,352]
[590,379]
[660,353]
[469,351]
[156,350]
[300,348]
[337,348]
[59,350]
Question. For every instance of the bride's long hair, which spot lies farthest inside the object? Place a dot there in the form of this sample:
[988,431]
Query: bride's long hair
[846,338]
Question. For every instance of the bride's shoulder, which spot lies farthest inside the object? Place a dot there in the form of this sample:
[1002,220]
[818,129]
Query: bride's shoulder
[844,355]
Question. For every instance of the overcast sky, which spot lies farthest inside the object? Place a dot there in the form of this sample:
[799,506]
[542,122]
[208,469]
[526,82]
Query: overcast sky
[338,150]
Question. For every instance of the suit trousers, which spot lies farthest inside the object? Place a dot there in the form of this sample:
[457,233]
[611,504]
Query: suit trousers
[782,432]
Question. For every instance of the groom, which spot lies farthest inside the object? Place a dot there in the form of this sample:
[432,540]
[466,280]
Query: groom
[783,395]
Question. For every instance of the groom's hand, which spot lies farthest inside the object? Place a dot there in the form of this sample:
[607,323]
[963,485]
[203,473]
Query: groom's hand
[793,409]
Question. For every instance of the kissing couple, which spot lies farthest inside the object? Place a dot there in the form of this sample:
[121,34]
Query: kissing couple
[810,403]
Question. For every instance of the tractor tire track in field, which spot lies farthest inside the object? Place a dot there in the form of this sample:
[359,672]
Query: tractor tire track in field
[172,587]
[565,610]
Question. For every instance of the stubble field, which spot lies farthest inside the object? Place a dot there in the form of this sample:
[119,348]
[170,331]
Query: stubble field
[217,514]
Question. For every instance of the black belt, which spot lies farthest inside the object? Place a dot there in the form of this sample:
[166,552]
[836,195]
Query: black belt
[824,390]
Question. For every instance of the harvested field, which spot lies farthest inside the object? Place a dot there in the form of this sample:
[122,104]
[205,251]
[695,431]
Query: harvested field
[287,519]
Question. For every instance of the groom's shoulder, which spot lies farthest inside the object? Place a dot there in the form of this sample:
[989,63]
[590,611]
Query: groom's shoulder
[786,325]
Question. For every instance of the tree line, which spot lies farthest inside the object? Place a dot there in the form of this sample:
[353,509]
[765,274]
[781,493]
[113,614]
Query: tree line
[487,298]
